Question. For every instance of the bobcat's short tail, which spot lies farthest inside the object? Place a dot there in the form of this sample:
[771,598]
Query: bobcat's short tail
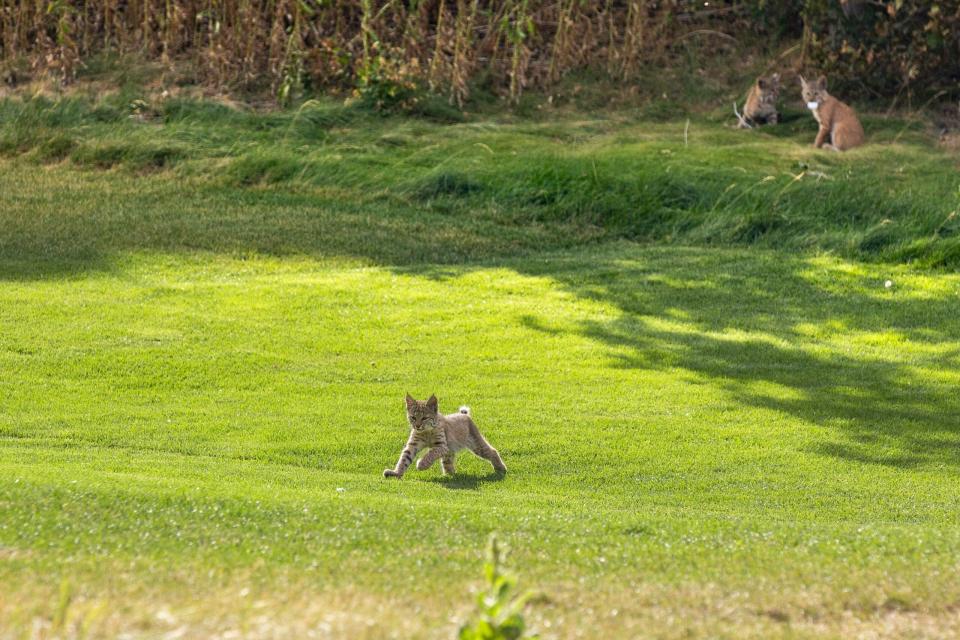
[465,410]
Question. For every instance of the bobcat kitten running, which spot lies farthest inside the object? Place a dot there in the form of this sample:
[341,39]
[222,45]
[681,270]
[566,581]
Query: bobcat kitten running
[444,436]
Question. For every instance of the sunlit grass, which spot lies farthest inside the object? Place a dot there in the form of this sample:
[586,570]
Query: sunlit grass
[204,364]
[181,416]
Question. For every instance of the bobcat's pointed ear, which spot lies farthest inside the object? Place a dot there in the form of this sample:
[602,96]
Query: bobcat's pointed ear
[803,81]
[822,82]
[432,403]
[776,78]
[410,402]
[761,83]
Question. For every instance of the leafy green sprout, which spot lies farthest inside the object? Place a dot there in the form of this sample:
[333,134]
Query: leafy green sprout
[499,613]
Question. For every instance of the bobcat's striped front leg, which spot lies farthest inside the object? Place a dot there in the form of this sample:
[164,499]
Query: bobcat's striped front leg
[406,457]
[432,456]
[438,449]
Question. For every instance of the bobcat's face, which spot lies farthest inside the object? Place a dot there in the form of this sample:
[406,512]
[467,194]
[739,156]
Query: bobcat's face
[814,92]
[768,90]
[422,416]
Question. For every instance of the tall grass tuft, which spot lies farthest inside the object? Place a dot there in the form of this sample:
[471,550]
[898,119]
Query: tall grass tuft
[499,613]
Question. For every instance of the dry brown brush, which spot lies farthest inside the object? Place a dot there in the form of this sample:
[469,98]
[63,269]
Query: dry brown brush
[385,46]
[389,49]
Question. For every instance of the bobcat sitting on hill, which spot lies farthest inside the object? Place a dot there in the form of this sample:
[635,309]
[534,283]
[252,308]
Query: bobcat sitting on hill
[444,435]
[840,128]
[761,104]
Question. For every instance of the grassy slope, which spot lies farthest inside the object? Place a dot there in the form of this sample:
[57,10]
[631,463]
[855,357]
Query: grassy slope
[483,188]
[700,441]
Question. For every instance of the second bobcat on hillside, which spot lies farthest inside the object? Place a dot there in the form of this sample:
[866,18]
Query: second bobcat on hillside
[840,129]
[761,104]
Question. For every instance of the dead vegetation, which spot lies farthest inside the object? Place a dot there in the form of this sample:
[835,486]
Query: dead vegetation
[289,46]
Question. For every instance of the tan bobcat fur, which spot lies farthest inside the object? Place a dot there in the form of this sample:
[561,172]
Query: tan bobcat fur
[840,129]
[761,104]
[443,436]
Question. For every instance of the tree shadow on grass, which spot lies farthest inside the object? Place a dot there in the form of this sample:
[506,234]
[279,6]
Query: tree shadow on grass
[813,339]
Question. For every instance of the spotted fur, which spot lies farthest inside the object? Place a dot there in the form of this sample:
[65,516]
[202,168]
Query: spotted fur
[443,436]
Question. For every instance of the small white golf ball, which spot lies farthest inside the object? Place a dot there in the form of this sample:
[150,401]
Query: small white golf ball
[888,284]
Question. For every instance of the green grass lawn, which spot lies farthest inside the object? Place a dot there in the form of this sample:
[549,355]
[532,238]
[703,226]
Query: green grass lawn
[735,431]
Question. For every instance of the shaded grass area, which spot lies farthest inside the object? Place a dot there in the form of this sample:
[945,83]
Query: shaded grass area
[548,183]
[774,351]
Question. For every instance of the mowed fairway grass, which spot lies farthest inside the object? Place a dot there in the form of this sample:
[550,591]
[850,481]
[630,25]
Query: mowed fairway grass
[718,419]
